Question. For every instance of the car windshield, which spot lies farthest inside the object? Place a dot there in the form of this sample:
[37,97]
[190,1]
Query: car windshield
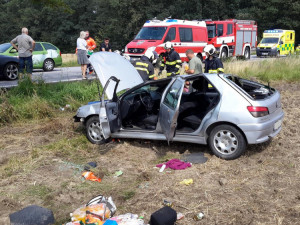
[4,47]
[211,30]
[269,40]
[151,33]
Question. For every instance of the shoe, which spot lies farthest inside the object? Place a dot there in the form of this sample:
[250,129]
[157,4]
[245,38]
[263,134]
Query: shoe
[91,72]
[84,78]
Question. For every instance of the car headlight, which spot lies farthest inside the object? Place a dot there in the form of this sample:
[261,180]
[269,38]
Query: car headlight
[274,47]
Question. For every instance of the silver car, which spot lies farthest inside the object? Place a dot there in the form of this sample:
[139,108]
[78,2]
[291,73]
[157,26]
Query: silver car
[221,110]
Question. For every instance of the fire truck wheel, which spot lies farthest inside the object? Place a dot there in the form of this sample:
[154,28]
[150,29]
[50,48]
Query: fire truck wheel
[247,53]
[224,53]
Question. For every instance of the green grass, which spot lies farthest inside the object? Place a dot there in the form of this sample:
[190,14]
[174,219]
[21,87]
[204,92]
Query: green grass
[70,64]
[35,101]
[282,69]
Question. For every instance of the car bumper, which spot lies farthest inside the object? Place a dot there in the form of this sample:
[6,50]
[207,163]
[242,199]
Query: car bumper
[262,132]
[266,52]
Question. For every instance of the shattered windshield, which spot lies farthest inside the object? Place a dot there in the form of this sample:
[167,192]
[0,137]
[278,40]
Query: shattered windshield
[151,33]
[269,40]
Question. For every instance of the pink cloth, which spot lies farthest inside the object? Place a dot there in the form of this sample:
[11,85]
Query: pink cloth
[175,164]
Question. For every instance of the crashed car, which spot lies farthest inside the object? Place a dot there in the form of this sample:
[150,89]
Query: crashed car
[221,110]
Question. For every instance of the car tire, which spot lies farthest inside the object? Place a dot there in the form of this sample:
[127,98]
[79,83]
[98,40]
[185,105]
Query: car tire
[48,65]
[227,142]
[93,130]
[11,71]
[224,53]
[247,53]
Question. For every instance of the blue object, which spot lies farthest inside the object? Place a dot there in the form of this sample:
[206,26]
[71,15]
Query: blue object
[90,103]
[110,222]
[171,20]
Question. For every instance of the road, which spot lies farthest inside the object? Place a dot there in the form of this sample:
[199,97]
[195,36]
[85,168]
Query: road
[64,74]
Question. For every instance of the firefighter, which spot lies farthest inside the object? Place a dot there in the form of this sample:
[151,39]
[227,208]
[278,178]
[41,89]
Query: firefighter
[172,61]
[212,63]
[91,45]
[144,65]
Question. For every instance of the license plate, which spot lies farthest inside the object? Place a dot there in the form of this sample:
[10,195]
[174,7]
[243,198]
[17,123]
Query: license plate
[277,124]
[264,53]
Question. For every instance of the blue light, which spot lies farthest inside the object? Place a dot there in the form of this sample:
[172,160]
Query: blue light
[171,21]
[148,21]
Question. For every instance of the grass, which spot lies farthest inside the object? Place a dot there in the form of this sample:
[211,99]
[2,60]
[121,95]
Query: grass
[282,69]
[72,63]
[36,101]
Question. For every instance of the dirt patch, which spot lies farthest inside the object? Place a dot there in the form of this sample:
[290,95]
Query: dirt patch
[41,163]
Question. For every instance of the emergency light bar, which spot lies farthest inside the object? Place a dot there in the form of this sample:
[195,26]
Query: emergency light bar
[273,31]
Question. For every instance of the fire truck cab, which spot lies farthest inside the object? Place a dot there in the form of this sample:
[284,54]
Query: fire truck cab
[183,34]
[232,37]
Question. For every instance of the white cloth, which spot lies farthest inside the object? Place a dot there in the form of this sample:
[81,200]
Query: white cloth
[81,44]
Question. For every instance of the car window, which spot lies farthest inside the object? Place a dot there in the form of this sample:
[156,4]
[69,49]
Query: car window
[220,29]
[173,95]
[48,46]
[38,47]
[186,34]
[229,28]
[171,34]
[4,47]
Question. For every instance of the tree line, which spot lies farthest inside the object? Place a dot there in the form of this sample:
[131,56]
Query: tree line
[60,21]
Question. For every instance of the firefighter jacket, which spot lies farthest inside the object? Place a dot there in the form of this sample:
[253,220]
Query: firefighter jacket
[213,66]
[145,68]
[172,62]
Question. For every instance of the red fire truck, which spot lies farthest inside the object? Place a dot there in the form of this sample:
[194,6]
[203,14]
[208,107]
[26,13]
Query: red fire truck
[230,37]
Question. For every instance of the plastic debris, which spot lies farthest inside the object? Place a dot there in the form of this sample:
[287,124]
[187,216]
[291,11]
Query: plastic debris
[198,216]
[128,219]
[175,164]
[180,216]
[91,176]
[167,203]
[162,168]
[90,165]
[187,181]
[118,173]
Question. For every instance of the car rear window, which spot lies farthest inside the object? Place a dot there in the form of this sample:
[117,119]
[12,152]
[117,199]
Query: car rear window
[48,46]
[253,89]
[4,47]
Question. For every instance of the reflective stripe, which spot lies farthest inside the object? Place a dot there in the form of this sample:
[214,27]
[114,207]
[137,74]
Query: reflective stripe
[141,64]
[151,76]
[179,61]
[162,64]
[142,69]
[171,63]
[169,74]
[210,86]
[220,70]
[213,71]
[178,66]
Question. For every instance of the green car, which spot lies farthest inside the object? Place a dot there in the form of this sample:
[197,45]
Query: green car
[45,55]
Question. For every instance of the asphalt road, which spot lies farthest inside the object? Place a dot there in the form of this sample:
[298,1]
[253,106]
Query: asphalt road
[65,74]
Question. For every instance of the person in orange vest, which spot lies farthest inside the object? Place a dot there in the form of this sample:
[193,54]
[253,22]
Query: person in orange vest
[91,45]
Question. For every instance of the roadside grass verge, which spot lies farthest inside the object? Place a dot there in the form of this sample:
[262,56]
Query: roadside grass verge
[72,63]
[277,69]
[36,101]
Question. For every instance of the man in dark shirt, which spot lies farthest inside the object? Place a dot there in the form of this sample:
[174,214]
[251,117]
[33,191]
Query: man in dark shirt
[105,46]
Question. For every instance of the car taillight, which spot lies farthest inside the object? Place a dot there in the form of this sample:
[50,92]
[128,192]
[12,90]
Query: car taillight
[258,111]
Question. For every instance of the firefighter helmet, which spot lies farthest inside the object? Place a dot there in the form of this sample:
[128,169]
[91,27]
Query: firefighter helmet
[210,49]
[168,45]
[152,55]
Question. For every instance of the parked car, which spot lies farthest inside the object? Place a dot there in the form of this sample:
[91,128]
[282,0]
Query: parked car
[9,67]
[45,56]
[221,110]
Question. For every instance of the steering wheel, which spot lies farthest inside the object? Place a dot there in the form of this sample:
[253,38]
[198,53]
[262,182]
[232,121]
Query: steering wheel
[146,99]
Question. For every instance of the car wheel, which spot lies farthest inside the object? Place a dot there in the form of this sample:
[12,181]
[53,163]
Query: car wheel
[247,53]
[48,65]
[11,71]
[227,142]
[93,130]
[224,54]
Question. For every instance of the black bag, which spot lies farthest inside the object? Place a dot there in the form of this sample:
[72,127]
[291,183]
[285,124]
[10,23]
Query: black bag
[164,216]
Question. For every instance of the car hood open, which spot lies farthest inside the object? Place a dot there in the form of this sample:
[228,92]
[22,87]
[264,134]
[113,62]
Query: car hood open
[107,64]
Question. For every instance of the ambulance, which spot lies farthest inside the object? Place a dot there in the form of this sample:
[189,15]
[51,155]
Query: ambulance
[276,42]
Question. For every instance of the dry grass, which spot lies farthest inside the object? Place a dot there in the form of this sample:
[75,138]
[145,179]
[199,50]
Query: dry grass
[41,161]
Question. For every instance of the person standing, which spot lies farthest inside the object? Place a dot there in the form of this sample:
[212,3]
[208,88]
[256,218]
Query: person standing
[91,45]
[212,63]
[195,64]
[105,46]
[144,65]
[82,58]
[172,61]
[25,48]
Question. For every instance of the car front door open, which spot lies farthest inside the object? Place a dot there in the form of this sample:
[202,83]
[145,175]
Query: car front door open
[169,109]
[109,110]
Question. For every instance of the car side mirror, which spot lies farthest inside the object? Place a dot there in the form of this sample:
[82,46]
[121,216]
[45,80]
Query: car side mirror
[13,51]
